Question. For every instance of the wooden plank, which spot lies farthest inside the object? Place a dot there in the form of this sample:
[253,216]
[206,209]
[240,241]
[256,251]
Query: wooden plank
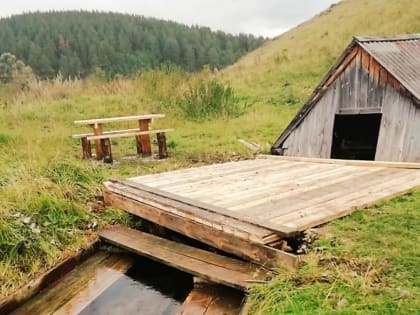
[117,119]
[34,286]
[61,292]
[146,147]
[221,239]
[406,165]
[215,220]
[182,177]
[206,265]
[209,299]
[239,181]
[319,195]
[103,279]
[97,131]
[195,207]
[127,134]
[338,207]
[84,135]
[263,189]
[280,202]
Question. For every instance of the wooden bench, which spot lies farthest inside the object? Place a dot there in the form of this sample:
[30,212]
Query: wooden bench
[102,138]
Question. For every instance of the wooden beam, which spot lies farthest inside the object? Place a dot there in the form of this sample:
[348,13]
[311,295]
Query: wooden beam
[161,140]
[127,134]
[344,162]
[207,265]
[117,119]
[241,217]
[246,249]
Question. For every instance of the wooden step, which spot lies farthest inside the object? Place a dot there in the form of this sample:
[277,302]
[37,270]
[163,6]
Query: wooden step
[209,266]
[211,299]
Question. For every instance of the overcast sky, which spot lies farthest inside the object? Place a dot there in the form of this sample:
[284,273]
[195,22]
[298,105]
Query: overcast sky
[259,17]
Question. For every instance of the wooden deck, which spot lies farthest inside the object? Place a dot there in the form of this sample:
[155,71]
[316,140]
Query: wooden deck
[243,207]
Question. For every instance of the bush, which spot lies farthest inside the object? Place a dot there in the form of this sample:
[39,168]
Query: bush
[209,100]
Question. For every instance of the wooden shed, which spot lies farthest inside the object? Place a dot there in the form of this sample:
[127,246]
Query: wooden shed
[366,108]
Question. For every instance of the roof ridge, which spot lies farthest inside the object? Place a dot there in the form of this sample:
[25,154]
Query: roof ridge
[401,37]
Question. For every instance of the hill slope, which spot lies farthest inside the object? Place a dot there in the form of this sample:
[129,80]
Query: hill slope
[286,69]
[75,43]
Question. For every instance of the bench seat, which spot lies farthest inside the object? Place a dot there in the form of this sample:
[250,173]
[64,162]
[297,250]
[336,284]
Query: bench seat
[85,135]
[126,133]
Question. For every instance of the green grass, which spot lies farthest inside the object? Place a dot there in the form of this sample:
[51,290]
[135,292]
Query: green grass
[366,263]
[44,181]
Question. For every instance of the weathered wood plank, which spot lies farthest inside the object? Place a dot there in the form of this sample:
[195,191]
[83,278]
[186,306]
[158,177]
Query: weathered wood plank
[206,265]
[338,207]
[127,134]
[221,239]
[62,292]
[406,165]
[117,119]
[197,208]
[209,299]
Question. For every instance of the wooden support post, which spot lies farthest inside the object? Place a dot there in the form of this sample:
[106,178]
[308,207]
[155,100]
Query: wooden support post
[138,145]
[97,131]
[86,148]
[106,149]
[161,140]
[146,146]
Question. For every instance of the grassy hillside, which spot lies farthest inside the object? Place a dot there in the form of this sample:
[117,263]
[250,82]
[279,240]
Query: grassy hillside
[47,193]
[286,69]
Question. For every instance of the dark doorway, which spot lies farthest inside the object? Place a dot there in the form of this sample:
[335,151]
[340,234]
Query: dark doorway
[355,136]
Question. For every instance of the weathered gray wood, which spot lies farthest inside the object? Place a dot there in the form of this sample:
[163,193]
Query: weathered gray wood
[207,265]
[117,119]
[127,134]
[224,239]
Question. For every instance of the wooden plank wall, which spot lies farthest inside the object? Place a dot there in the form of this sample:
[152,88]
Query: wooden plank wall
[313,137]
[399,136]
[362,87]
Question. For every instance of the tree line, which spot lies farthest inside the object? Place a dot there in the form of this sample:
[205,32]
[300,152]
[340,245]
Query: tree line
[79,43]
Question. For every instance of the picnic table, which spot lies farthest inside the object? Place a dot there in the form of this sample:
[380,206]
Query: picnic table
[102,138]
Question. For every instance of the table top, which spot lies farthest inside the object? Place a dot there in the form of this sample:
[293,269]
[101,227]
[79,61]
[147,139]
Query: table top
[117,119]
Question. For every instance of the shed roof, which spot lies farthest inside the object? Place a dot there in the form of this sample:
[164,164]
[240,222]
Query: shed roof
[399,55]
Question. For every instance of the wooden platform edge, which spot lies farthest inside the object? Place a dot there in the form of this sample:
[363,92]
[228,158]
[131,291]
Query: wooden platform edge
[281,230]
[204,264]
[406,165]
[260,254]
[26,292]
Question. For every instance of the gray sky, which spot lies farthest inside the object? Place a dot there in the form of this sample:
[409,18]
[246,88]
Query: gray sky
[259,17]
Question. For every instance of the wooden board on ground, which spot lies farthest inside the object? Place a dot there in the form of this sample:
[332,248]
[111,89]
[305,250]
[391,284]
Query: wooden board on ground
[210,299]
[78,288]
[207,265]
[282,195]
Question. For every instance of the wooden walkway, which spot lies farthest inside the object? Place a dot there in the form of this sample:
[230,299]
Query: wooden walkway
[244,207]
[209,266]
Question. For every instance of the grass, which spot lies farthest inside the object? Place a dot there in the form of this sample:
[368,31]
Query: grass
[365,263]
[47,195]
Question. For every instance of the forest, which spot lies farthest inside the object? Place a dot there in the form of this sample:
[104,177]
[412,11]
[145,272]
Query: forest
[78,44]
